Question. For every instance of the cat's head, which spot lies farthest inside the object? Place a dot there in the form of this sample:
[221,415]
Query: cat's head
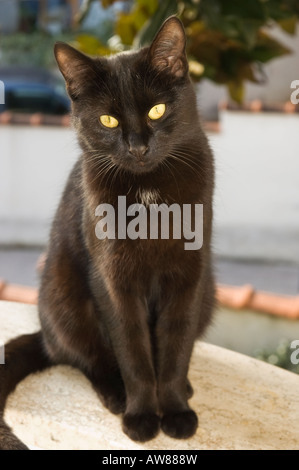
[135,108]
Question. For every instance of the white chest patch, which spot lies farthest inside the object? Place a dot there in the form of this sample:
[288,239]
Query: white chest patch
[148,196]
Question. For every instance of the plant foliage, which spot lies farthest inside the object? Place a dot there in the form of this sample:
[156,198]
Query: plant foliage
[281,356]
[228,40]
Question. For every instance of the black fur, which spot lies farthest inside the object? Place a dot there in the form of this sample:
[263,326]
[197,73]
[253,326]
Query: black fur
[126,312]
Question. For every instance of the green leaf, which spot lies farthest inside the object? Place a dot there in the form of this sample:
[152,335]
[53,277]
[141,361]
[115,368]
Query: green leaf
[226,36]
[149,6]
[107,3]
[253,9]
[236,90]
[129,25]
[162,12]
[126,29]
[249,29]
[289,24]
[209,47]
[210,12]
[91,45]
[268,48]
[281,9]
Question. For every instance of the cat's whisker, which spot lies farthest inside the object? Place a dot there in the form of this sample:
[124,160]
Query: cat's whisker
[114,176]
[97,159]
[190,161]
[180,159]
[185,158]
[186,151]
[96,154]
[168,165]
[106,168]
[195,170]
[114,171]
[98,164]
[103,170]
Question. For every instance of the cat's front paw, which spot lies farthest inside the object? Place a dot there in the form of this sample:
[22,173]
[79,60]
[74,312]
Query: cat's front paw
[141,427]
[181,424]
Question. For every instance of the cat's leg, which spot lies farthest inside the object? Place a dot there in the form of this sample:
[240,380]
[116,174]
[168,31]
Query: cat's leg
[72,329]
[175,335]
[126,320]
[208,304]
[107,382]
[189,389]
[96,360]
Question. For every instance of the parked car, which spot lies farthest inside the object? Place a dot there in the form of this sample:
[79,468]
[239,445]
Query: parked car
[32,90]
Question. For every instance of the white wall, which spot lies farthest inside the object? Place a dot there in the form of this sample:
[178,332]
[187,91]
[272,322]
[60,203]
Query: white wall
[34,164]
[257,188]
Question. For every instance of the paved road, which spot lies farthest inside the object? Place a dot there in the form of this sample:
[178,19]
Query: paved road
[19,266]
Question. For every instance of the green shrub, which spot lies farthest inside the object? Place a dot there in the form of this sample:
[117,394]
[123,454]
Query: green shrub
[280,356]
[228,40]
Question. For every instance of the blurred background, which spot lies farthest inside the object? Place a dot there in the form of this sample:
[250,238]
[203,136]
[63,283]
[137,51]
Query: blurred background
[244,60]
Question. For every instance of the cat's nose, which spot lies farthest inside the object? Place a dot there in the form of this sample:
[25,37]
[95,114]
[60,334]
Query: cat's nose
[138,151]
[136,145]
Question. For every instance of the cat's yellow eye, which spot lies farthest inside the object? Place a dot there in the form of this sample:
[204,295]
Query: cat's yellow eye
[157,111]
[108,121]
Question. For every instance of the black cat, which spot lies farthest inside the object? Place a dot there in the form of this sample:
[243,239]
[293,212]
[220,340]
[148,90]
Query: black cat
[126,312]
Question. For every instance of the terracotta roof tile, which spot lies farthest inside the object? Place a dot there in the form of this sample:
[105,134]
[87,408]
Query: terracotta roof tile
[35,119]
[15,293]
[6,117]
[235,297]
[244,297]
[212,126]
[257,106]
[39,119]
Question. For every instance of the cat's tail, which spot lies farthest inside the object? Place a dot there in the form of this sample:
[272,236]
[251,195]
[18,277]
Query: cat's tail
[23,355]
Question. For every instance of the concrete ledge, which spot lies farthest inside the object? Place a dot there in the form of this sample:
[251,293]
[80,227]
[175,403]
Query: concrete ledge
[241,403]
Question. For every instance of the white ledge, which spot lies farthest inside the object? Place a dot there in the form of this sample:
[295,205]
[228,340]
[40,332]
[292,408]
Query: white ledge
[241,403]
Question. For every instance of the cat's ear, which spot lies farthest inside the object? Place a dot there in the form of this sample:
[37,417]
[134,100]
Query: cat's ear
[168,49]
[76,68]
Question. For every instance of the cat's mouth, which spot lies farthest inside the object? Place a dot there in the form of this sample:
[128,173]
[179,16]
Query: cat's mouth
[142,166]
[139,166]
